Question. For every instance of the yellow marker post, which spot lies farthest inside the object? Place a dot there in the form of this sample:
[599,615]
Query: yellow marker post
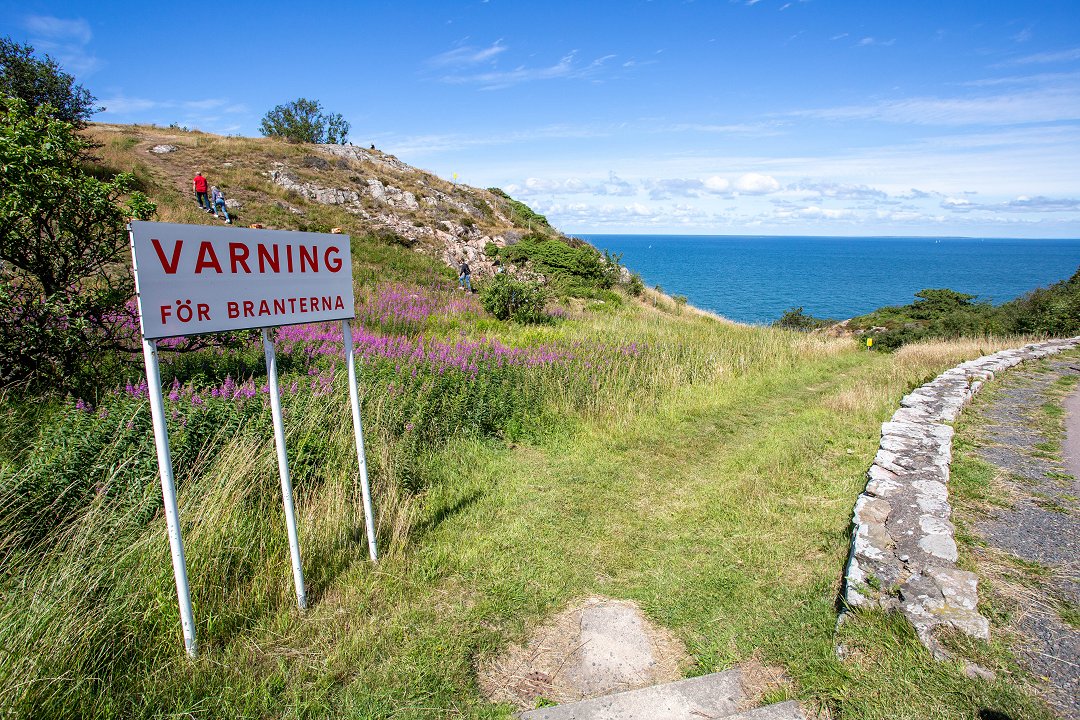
[869,343]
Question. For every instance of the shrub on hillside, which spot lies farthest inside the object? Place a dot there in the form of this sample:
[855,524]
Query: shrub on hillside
[944,313]
[1052,311]
[521,214]
[509,299]
[796,319]
[579,271]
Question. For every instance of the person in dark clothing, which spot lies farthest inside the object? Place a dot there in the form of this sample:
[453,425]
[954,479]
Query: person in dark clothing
[463,276]
[201,196]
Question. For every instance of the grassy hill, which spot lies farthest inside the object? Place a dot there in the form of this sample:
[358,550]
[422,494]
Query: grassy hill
[627,447]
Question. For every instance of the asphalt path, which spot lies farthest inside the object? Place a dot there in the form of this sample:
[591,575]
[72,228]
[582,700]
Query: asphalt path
[1041,523]
[1071,449]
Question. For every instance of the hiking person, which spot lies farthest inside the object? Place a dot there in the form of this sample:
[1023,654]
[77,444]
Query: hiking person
[201,198]
[217,201]
[463,276]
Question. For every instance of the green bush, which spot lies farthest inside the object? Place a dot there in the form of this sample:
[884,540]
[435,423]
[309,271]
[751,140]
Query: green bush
[521,214]
[796,319]
[580,271]
[509,299]
[944,313]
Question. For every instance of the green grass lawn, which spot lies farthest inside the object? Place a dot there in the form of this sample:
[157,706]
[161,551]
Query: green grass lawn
[710,479]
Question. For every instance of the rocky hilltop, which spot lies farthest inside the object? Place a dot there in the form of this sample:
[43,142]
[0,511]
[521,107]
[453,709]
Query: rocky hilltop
[362,191]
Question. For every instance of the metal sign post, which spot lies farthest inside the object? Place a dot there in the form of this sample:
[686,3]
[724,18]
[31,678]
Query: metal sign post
[193,279]
[283,468]
[358,431]
[168,492]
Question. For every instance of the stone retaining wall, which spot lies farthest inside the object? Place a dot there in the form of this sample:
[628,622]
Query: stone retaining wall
[903,554]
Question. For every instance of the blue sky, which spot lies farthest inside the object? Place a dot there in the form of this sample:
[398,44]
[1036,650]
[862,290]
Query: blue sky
[794,117]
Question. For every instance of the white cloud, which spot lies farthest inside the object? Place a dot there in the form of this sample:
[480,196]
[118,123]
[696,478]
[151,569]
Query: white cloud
[53,28]
[1048,57]
[717,184]
[1041,204]
[756,184]
[65,41]
[566,68]
[1021,204]
[468,55]
[122,105]
[837,190]
[1052,104]
[813,212]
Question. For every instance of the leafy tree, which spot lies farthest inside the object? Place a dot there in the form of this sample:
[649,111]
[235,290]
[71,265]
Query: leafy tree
[303,120]
[63,238]
[42,82]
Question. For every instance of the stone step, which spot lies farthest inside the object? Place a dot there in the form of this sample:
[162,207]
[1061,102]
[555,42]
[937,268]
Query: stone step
[780,711]
[709,696]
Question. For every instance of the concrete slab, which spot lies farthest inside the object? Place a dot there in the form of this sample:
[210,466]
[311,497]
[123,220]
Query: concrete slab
[780,711]
[709,696]
[616,652]
[595,647]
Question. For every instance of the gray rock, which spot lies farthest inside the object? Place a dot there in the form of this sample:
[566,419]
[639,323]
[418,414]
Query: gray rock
[163,149]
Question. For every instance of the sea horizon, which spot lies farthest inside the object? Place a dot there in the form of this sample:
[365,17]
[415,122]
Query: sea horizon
[756,278]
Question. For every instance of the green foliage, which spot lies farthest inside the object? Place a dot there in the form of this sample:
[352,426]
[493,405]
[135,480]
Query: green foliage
[636,287]
[796,319]
[509,299]
[935,303]
[63,239]
[303,121]
[943,313]
[40,82]
[1048,311]
[581,271]
[521,214]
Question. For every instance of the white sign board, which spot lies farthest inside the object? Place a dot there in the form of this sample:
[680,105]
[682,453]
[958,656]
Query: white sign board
[194,279]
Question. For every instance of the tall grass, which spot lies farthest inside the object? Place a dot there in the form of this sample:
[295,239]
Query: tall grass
[648,449]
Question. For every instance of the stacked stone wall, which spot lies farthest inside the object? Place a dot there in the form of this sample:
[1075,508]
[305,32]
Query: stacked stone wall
[903,551]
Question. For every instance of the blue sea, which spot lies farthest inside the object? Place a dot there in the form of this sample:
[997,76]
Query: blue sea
[757,279]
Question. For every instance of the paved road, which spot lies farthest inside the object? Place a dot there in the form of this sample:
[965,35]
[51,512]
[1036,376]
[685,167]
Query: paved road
[1071,449]
[1041,525]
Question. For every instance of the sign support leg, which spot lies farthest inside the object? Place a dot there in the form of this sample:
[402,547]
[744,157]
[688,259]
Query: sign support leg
[283,468]
[168,492]
[358,430]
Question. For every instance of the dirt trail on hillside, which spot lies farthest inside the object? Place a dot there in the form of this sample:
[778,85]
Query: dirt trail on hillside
[1040,528]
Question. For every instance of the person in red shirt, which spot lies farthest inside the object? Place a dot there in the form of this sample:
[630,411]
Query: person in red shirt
[203,200]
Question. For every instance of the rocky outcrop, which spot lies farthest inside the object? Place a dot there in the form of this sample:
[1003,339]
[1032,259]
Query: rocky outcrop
[903,551]
[358,154]
[282,177]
